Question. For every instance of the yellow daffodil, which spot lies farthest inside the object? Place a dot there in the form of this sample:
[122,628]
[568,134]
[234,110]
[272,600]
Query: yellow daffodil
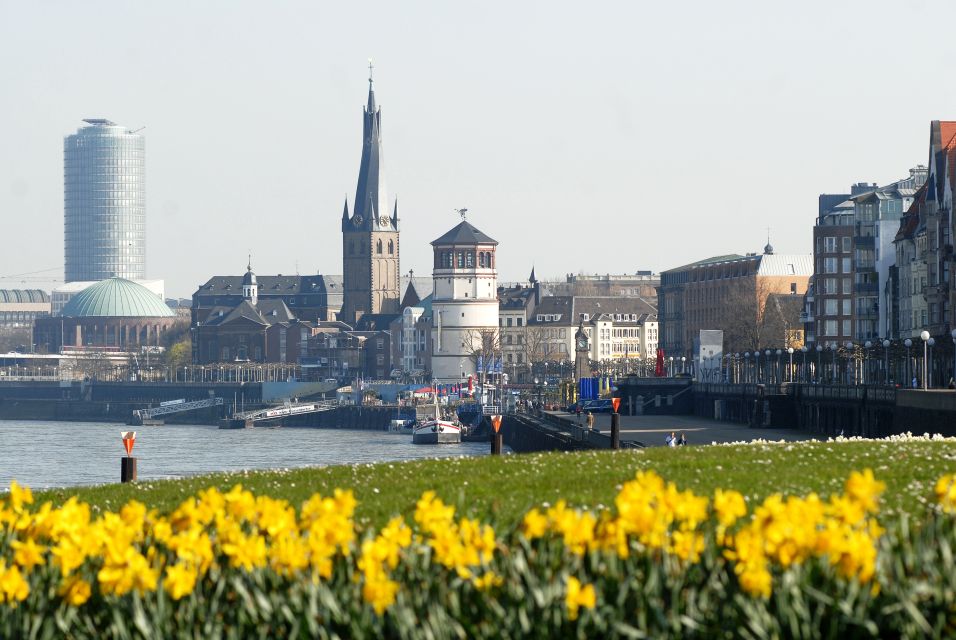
[75,591]
[577,596]
[180,580]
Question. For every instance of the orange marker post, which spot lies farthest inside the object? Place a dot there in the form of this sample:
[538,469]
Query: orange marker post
[128,464]
[496,436]
[615,424]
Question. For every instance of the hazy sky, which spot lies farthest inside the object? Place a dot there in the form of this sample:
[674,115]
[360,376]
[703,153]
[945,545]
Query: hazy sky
[595,137]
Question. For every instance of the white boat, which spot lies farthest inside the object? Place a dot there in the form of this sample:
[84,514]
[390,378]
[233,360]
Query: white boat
[431,429]
[436,431]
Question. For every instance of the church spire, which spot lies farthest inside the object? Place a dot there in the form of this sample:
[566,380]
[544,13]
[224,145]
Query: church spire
[345,210]
[371,196]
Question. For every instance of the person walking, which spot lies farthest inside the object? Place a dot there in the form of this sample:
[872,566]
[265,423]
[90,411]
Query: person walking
[671,440]
[682,440]
[590,421]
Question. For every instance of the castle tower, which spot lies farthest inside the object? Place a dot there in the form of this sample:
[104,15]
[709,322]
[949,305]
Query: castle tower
[464,302]
[371,280]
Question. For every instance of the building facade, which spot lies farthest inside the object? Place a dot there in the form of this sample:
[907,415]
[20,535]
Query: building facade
[729,293]
[20,307]
[104,180]
[370,233]
[112,315]
[464,302]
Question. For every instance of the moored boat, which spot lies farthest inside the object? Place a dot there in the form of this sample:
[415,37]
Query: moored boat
[436,431]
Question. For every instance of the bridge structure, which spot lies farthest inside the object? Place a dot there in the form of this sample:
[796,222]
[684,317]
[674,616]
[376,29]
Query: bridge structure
[144,416]
[283,411]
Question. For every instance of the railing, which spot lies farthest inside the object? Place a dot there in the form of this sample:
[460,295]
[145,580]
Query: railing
[287,410]
[178,408]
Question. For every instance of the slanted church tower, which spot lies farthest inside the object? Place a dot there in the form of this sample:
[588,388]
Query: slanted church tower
[370,270]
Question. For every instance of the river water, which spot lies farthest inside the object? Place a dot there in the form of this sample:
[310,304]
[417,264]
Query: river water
[61,454]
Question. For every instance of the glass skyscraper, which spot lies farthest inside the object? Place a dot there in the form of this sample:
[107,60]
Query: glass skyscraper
[104,197]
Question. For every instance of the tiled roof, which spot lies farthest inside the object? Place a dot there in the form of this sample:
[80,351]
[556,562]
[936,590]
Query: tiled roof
[464,233]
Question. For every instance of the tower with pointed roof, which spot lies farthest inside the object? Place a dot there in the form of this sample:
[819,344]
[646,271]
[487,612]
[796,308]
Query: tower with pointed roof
[370,247]
[464,303]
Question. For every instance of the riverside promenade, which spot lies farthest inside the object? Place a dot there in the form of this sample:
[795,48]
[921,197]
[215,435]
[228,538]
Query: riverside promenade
[650,430]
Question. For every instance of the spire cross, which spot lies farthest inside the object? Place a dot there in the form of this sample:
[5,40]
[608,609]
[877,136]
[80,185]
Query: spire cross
[370,68]
[462,213]
[249,264]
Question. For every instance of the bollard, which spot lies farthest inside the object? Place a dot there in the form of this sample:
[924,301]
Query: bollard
[127,469]
[496,436]
[128,464]
[615,430]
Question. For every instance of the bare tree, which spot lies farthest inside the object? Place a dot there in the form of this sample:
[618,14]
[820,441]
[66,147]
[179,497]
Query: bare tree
[482,347]
[742,316]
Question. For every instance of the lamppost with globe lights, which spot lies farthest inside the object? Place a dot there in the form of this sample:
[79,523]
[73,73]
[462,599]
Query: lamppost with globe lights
[849,359]
[833,365]
[886,361]
[747,364]
[819,352]
[866,347]
[953,334]
[929,363]
[790,352]
[906,370]
[924,336]
[806,372]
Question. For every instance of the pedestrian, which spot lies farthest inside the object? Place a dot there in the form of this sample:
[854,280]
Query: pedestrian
[671,440]
[590,421]
[682,440]
[915,383]
[952,383]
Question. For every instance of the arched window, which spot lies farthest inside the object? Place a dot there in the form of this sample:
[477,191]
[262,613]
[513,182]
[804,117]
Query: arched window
[461,259]
[470,259]
[490,260]
[378,247]
[391,247]
[481,259]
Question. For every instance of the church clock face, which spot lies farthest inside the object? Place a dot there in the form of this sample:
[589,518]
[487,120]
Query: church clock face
[582,343]
[383,221]
[357,220]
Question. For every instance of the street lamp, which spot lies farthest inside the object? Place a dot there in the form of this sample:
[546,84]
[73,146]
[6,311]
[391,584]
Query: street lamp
[682,361]
[953,334]
[833,368]
[747,364]
[769,375]
[866,347]
[806,372]
[908,344]
[929,363]
[849,358]
[817,372]
[671,364]
[790,351]
[924,336]
[886,361]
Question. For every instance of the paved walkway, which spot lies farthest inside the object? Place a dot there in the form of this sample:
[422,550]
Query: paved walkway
[651,430]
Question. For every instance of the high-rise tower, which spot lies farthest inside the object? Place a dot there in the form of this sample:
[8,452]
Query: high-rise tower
[371,281]
[104,203]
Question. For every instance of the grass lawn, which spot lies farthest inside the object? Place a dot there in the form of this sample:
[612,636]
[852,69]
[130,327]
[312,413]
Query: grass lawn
[500,490]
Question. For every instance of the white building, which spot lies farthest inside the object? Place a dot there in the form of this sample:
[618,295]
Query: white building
[464,302]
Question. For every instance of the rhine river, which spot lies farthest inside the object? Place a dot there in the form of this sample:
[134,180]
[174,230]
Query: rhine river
[61,454]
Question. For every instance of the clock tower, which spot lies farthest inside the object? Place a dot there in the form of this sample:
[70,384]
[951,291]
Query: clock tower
[370,264]
[582,354]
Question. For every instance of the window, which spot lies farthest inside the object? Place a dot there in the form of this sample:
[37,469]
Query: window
[829,285]
[460,262]
[847,328]
[391,247]
[830,244]
[846,307]
[847,285]
[847,265]
[509,322]
[520,320]
[830,307]
[846,244]
[378,247]
[830,265]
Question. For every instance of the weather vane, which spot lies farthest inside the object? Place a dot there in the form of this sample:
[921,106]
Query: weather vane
[461,212]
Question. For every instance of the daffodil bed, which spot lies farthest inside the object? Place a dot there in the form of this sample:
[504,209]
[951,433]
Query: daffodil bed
[661,561]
